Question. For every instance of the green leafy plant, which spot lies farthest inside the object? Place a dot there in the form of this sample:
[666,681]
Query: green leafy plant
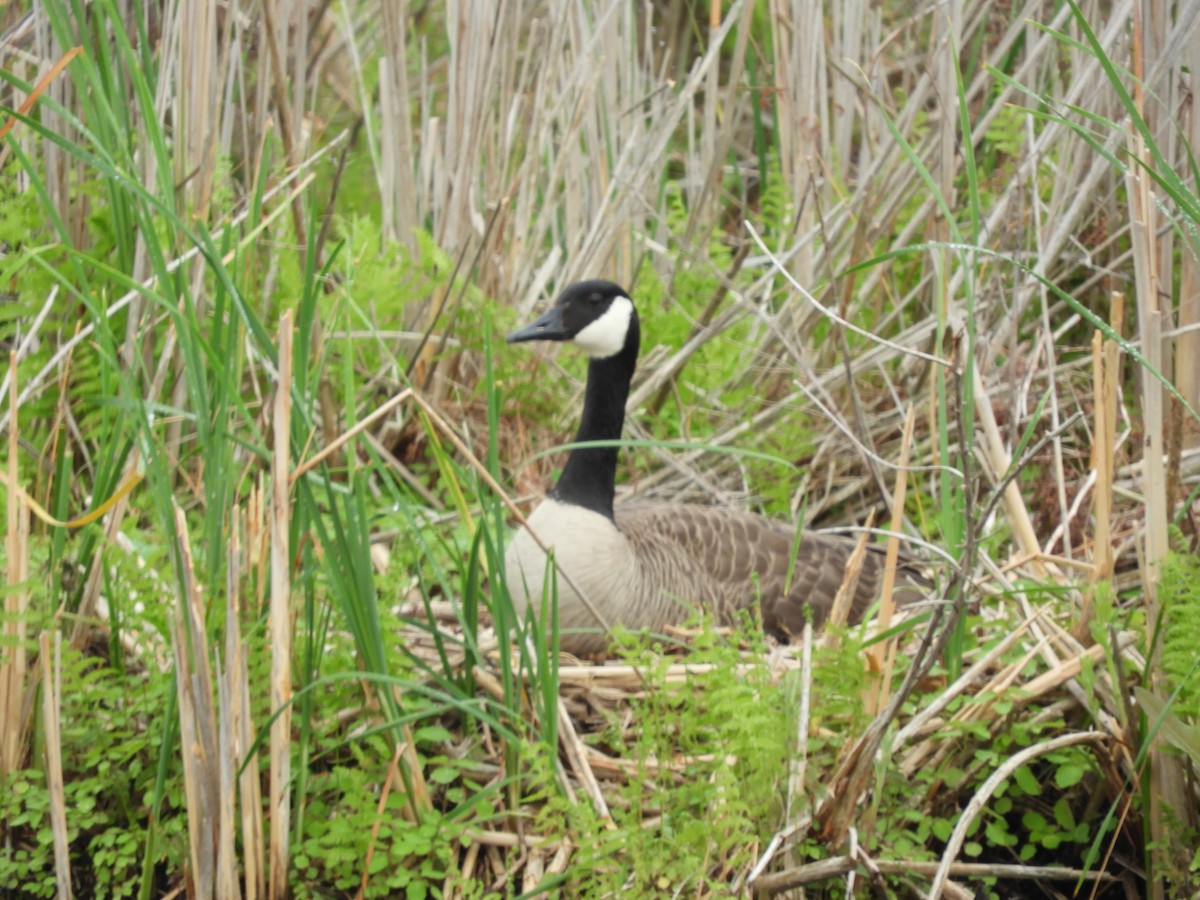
[1179,592]
[348,834]
[713,751]
[111,728]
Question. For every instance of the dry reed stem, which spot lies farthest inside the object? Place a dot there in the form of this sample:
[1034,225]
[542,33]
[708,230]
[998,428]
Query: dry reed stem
[237,724]
[1105,433]
[197,723]
[881,659]
[839,611]
[279,81]
[279,621]
[52,733]
[999,462]
[577,755]
[1106,386]
[1150,317]
[1187,346]
[419,800]
[1166,773]
[798,764]
[13,662]
[226,762]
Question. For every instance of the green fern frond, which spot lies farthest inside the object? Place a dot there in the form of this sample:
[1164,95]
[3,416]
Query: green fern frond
[1179,592]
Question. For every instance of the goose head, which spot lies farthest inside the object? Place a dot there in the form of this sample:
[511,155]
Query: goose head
[598,317]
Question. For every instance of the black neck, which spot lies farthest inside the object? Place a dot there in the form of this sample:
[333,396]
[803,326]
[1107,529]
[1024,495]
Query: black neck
[589,477]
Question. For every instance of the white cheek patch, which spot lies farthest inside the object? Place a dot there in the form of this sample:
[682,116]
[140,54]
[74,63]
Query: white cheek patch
[606,336]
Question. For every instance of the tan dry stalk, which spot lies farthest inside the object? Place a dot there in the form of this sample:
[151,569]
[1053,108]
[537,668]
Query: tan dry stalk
[13,662]
[999,461]
[197,722]
[1106,384]
[1047,350]
[800,85]
[1187,346]
[1167,782]
[51,708]
[397,192]
[839,612]
[198,102]
[881,659]
[716,135]
[948,26]
[1151,318]
[577,755]
[279,620]
[798,764]
[237,727]
[274,32]
[504,838]
[226,763]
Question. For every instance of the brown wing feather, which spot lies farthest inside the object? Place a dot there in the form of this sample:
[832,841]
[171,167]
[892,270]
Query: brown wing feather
[716,557]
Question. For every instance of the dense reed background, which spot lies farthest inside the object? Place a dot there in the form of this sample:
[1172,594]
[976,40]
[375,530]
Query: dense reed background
[931,268]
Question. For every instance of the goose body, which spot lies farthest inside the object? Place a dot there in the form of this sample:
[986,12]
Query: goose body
[647,565]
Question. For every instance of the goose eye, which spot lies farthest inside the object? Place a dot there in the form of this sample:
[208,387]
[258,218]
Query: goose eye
[595,299]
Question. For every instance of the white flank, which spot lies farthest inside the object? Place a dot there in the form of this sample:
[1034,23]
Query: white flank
[596,557]
[606,336]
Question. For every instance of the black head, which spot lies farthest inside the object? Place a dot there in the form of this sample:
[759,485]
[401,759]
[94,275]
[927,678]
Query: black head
[596,316]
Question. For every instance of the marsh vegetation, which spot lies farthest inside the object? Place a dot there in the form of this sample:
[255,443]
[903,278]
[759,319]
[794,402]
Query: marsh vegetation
[926,269]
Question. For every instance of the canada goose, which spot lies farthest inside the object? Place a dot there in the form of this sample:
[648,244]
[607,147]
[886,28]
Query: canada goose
[646,564]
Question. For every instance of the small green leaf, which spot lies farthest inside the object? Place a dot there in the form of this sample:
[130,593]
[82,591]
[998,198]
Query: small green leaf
[1068,775]
[997,833]
[953,776]
[1063,815]
[1026,781]
[432,734]
[443,775]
